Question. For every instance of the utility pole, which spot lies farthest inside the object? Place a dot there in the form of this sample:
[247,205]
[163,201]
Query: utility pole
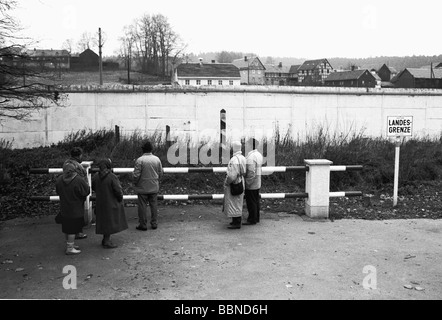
[100,61]
[129,52]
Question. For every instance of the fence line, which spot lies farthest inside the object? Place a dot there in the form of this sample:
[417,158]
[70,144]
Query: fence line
[267,170]
[317,195]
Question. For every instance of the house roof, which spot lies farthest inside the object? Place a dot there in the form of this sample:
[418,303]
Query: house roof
[423,73]
[244,64]
[88,52]
[271,68]
[294,68]
[220,70]
[392,70]
[435,65]
[347,75]
[311,64]
[47,53]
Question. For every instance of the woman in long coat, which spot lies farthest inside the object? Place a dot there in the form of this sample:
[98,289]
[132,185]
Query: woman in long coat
[109,206]
[236,170]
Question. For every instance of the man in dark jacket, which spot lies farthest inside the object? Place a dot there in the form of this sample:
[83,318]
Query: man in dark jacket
[73,190]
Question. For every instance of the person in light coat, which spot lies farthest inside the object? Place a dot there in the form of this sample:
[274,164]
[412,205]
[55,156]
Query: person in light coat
[254,161]
[236,170]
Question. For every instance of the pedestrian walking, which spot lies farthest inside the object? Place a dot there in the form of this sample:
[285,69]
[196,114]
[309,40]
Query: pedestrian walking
[236,170]
[148,171]
[71,166]
[73,190]
[254,161]
[109,206]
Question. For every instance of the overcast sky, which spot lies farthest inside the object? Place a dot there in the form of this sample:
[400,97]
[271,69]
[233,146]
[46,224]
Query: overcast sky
[281,28]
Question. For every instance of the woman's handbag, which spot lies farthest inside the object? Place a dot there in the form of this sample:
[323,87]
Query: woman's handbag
[237,188]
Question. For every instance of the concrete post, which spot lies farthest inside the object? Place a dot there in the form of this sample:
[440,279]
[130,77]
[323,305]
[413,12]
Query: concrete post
[87,204]
[317,186]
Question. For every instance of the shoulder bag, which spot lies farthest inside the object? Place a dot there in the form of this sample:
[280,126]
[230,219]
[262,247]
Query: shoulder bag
[237,188]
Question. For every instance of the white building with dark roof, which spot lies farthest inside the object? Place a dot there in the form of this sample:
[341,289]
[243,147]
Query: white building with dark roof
[207,74]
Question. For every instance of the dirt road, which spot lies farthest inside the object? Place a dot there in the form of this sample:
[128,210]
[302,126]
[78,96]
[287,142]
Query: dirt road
[192,255]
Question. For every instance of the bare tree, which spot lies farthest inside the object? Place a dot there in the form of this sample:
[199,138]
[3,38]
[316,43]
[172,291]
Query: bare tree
[68,45]
[19,99]
[126,48]
[154,43]
[87,40]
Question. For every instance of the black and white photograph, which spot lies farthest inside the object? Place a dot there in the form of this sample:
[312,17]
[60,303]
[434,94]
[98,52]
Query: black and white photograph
[222,158]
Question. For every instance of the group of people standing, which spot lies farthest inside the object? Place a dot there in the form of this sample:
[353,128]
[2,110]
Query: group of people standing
[73,189]
[245,170]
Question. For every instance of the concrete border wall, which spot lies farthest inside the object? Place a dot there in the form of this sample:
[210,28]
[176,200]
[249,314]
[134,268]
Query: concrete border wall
[251,110]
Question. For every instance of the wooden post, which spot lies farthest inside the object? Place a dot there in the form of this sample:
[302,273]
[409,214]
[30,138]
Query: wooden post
[224,152]
[117,134]
[168,142]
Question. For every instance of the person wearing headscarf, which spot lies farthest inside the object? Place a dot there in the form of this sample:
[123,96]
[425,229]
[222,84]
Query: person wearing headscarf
[236,170]
[109,206]
[71,168]
[73,191]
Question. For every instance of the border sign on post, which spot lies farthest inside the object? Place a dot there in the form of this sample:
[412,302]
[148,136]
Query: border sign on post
[398,126]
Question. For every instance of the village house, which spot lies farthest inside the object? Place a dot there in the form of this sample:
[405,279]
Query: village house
[386,73]
[418,78]
[314,72]
[354,78]
[88,60]
[293,77]
[48,59]
[277,75]
[209,74]
[251,69]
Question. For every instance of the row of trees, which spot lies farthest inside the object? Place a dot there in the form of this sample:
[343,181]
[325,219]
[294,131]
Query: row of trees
[87,40]
[152,43]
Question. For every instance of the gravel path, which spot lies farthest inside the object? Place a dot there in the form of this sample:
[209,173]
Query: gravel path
[192,255]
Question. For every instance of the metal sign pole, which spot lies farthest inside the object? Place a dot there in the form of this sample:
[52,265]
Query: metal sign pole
[396,171]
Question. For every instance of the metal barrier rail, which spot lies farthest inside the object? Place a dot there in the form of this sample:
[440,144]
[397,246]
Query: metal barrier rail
[268,169]
[216,196]
[188,196]
[317,195]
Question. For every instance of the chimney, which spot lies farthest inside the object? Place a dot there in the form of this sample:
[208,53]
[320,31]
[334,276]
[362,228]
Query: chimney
[201,61]
[245,58]
[213,61]
[280,65]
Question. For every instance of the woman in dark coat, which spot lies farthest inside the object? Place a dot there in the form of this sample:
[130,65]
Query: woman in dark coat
[109,206]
